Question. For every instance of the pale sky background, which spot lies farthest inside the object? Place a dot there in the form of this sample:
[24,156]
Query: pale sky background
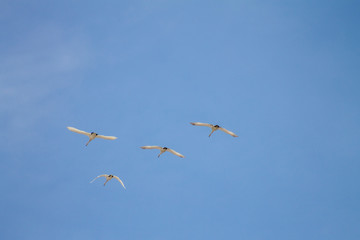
[283,75]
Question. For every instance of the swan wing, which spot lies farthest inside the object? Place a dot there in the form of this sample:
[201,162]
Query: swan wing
[117,178]
[176,153]
[228,132]
[201,124]
[106,137]
[151,147]
[78,131]
[104,175]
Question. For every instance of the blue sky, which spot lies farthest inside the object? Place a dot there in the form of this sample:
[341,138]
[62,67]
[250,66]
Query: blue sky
[283,75]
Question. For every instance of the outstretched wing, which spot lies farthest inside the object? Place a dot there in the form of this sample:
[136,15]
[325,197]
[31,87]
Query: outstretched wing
[151,147]
[106,137]
[201,124]
[104,175]
[228,132]
[78,131]
[116,177]
[176,153]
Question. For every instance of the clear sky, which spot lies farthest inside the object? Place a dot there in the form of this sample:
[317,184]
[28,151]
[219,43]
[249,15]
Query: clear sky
[283,75]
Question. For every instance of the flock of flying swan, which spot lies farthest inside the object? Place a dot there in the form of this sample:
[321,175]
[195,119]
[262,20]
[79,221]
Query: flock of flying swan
[108,177]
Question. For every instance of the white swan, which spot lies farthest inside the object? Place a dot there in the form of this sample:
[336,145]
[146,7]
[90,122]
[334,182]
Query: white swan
[91,135]
[108,178]
[163,149]
[213,128]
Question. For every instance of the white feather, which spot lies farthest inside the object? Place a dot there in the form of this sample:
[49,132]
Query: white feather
[201,124]
[151,147]
[104,175]
[78,131]
[176,153]
[106,137]
[116,177]
[228,132]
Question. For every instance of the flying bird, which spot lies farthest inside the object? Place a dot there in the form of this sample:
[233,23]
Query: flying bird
[91,135]
[108,178]
[163,149]
[214,128]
